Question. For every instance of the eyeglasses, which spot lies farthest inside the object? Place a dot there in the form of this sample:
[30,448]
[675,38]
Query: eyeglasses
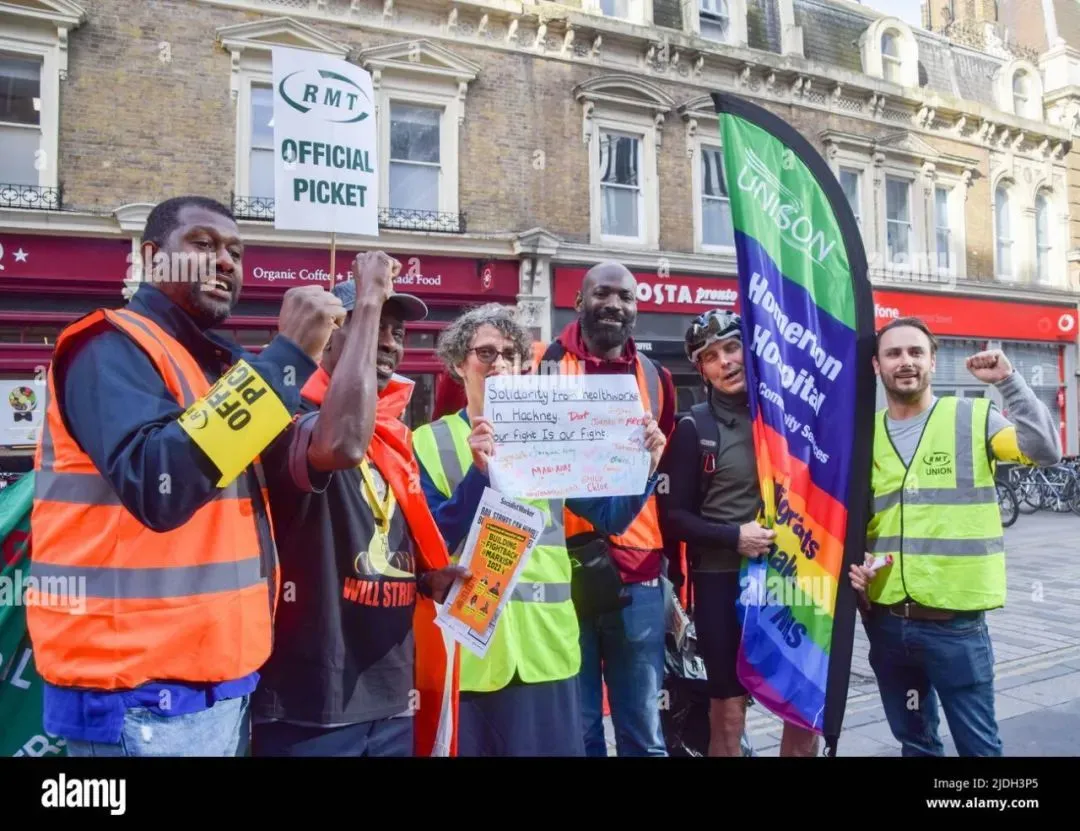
[488,354]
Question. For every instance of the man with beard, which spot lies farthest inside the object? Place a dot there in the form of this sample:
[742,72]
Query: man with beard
[936,550]
[623,647]
[353,639]
[150,500]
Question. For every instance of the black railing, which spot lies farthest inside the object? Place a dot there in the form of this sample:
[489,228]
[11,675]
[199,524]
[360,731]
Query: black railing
[400,219]
[406,219]
[253,207]
[30,196]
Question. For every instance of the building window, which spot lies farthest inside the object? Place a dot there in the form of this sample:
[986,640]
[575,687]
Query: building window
[20,119]
[1020,93]
[942,226]
[891,63]
[250,84]
[261,155]
[1043,246]
[615,8]
[415,167]
[421,90]
[715,17]
[898,220]
[1018,88]
[619,164]
[889,51]
[850,182]
[1003,231]
[716,225]
[622,125]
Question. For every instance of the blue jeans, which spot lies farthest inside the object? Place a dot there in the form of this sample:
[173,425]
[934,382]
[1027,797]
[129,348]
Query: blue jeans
[919,662]
[222,730]
[627,647]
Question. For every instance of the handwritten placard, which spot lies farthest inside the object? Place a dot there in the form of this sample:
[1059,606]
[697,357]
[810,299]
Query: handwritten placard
[560,437]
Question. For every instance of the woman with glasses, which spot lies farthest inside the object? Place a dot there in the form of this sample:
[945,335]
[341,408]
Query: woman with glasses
[521,698]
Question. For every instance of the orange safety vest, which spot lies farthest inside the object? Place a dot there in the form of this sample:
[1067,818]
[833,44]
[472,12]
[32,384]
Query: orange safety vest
[193,604]
[644,533]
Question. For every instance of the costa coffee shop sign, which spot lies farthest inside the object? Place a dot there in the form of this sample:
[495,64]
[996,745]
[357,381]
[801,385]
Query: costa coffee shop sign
[676,294]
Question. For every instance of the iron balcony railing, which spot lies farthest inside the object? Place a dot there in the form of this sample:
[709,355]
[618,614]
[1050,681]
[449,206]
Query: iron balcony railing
[400,219]
[30,196]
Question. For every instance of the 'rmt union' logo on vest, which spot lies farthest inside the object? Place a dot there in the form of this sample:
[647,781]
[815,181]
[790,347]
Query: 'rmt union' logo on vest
[325,94]
[937,464]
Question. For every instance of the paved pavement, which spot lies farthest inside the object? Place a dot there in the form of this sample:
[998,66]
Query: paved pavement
[1036,640]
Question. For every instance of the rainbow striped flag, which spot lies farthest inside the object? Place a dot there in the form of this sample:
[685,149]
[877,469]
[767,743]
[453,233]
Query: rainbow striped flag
[808,335]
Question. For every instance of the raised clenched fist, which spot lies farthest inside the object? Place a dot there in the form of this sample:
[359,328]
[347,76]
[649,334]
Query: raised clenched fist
[990,366]
[308,315]
[374,272]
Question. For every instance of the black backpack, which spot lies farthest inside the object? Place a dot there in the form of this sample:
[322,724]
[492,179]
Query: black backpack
[708,433]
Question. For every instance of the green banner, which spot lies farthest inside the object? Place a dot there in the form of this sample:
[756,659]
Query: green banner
[21,731]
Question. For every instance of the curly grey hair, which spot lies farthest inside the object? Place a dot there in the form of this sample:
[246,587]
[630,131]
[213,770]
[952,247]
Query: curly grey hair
[454,342]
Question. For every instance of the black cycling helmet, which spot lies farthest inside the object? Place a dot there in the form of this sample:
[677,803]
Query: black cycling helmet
[708,328]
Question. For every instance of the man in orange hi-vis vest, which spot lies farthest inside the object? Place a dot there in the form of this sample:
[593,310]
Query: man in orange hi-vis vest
[627,642]
[152,531]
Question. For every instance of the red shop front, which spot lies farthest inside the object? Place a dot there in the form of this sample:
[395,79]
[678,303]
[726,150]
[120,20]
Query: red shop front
[1039,338]
[448,285]
[47,281]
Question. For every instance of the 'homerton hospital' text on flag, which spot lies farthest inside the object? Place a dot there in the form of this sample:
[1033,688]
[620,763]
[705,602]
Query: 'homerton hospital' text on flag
[808,334]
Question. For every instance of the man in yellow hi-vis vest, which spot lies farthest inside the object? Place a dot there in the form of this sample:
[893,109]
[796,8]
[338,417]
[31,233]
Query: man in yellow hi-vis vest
[935,543]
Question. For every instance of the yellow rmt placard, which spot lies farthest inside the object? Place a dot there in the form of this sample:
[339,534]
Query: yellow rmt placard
[236,420]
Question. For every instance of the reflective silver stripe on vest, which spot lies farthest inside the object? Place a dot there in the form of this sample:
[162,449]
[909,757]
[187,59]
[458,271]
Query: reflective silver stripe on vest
[541,592]
[91,489]
[965,461]
[145,583]
[189,399]
[944,548]
[652,384]
[934,496]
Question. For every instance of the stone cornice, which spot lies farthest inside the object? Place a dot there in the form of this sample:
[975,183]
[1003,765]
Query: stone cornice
[563,33]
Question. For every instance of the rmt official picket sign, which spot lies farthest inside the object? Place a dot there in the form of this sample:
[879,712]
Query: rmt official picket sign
[325,160]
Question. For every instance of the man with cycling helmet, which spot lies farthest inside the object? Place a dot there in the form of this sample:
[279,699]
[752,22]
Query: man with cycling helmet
[711,505]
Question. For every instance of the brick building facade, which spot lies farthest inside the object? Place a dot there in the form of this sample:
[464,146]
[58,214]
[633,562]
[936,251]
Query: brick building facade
[506,127]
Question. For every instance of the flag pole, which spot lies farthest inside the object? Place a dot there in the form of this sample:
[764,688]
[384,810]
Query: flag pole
[333,258]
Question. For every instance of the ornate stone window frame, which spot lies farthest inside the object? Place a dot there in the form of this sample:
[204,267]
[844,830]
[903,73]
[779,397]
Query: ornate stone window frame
[626,104]
[250,46]
[42,34]
[695,113]
[421,72]
[873,60]
[1003,89]
[903,155]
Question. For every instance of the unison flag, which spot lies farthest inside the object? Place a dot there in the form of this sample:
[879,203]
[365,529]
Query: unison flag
[808,335]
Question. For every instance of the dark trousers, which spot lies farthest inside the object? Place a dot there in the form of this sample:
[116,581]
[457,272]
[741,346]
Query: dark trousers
[384,737]
[522,720]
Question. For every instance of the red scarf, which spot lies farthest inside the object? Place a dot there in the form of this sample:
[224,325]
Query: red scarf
[436,664]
